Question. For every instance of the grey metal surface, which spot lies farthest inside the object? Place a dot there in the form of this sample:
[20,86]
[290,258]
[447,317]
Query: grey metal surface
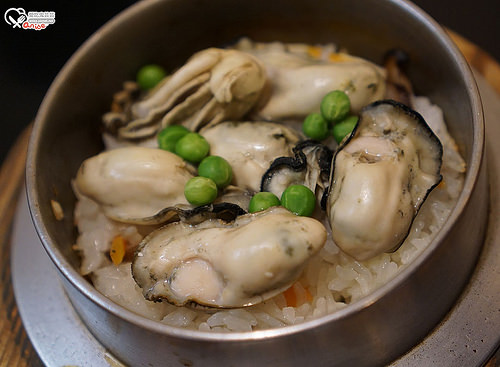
[371,331]
[466,337]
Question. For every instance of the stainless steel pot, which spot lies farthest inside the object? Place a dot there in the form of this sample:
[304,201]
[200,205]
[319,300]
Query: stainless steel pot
[372,331]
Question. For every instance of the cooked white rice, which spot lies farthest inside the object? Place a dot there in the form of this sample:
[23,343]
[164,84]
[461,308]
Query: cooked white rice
[330,281]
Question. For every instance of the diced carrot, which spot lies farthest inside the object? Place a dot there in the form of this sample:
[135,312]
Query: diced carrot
[118,249]
[337,57]
[297,295]
[314,51]
[317,52]
[290,297]
[309,296]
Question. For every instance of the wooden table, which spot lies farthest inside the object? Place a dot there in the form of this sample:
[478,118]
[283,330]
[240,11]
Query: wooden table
[15,347]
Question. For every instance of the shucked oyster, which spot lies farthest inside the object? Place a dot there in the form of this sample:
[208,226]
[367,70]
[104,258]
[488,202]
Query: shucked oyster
[134,184]
[227,265]
[381,176]
[298,79]
[145,186]
[250,147]
[213,86]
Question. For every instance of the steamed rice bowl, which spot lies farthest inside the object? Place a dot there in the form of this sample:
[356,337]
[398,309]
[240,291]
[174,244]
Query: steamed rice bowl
[330,281]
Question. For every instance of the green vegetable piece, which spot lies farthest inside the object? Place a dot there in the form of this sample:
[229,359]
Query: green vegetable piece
[344,128]
[262,201]
[315,126]
[217,169]
[150,75]
[192,147]
[168,137]
[335,106]
[299,199]
[200,191]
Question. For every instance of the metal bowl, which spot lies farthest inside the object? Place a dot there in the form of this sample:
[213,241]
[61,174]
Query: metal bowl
[372,331]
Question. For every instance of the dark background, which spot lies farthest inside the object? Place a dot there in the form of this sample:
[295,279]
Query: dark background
[30,60]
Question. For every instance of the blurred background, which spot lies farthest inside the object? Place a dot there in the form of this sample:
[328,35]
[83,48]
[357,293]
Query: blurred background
[30,60]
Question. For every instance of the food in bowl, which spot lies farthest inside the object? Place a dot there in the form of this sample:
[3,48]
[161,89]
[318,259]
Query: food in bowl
[142,240]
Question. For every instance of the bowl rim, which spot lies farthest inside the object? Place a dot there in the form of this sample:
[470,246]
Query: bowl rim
[87,289]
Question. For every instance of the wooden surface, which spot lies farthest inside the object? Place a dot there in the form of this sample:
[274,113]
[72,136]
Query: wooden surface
[479,59]
[15,347]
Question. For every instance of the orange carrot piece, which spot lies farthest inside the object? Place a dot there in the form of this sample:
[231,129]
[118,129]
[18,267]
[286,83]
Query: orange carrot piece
[338,57]
[118,249]
[314,51]
[442,185]
[309,296]
[290,297]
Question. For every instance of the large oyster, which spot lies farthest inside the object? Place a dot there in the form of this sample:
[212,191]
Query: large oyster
[213,86]
[227,265]
[381,176]
[298,78]
[134,184]
[250,147]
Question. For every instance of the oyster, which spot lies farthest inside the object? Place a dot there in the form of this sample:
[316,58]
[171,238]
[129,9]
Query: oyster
[250,147]
[135,184]
[382,173]
[226,265]
[298,79]
[310,166]
[214,85]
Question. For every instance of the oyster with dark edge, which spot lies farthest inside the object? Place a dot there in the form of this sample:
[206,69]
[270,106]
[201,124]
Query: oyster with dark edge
[226,265]
[382,173]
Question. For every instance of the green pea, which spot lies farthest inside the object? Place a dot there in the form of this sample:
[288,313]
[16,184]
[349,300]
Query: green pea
[299,199]
[168,137]
[150,75]
[335,106]
[217,169]
[192,147]
[200,190]
[315,126]
[262,201]
[343,128]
